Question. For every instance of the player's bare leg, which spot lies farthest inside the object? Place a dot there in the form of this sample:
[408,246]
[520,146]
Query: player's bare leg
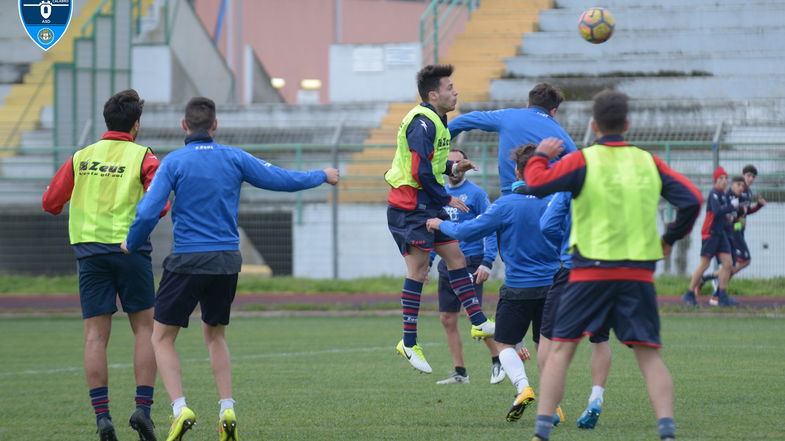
[97,330]
[659,385]
[552,381]
[167,359]
[144,370]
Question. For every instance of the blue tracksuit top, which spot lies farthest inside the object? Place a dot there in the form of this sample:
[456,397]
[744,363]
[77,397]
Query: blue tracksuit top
[556,223]
[516,127]
[477,200]
[206,178]
[530,259]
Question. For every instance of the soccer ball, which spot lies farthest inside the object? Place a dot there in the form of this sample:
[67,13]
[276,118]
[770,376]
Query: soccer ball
[596,25]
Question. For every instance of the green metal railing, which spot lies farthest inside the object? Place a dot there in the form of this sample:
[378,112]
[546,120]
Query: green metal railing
[436,22]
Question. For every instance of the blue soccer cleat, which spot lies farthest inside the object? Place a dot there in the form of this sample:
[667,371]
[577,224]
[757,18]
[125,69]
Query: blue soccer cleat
[590,416]
[689,299]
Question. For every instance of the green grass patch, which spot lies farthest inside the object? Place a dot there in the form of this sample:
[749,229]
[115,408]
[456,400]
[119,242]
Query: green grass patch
[337,378]
[666,285]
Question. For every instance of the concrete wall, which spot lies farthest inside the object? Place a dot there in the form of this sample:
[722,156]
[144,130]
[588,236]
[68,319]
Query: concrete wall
[367,250]
[366,72]
[292,38]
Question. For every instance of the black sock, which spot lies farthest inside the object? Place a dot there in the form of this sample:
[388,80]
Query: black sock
[460,370]
[667,427]
[495,360]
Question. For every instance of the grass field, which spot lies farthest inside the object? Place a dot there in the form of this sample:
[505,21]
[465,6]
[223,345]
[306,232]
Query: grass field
[336,378]
[665,285]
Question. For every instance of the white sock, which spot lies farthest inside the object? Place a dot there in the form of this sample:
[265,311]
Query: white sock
[596,393]
[226,403]
[177,406]
[512,364]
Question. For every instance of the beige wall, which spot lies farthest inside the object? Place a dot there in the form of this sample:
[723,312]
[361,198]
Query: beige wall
[292,37]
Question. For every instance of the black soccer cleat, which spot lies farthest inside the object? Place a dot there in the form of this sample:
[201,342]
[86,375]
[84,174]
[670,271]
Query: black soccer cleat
[106,430]
[143,425]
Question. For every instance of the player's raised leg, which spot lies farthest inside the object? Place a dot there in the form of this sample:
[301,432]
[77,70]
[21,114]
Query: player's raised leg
[416,272]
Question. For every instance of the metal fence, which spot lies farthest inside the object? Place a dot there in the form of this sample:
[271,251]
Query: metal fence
[341,231]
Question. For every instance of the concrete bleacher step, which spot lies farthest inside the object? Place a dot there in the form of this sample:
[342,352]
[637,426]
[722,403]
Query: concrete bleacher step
[664,88]
[662,4]
[687,17]
[628,41]
[711,63]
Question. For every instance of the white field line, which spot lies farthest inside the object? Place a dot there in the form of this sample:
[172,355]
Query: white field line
[198,360]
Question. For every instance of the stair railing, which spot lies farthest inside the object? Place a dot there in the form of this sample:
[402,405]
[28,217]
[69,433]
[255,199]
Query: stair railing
[436,22]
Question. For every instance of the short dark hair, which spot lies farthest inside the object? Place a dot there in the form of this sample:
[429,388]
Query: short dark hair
[749,168]
[546,96]
[738,179]
[430,76]
[122,110]
[200,113]
[465,156]
[522,154]
[610,111]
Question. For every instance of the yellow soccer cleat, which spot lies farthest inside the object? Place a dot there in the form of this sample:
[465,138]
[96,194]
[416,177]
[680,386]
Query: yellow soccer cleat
[558,416]
[483,330]
[181,424]
[414,356]
[522,401]
[227,427]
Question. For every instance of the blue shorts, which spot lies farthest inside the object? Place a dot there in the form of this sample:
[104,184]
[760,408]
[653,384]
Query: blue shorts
[513,318]
[739,246]
[448,301]
[178,295]
[715,245]
[408,229]
[593,308]
[104,277]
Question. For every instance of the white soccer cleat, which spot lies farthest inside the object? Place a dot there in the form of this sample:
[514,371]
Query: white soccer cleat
[497,373]
[414,356]
[455,378]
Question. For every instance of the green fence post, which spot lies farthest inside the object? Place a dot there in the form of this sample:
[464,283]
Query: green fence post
[484,165]
[435,35]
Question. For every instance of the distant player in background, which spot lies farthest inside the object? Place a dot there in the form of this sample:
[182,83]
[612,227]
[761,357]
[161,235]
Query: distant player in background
[715,241]
[517,127]
[530,261]
[104,182]
[616,189]
[739,246]
[417,193]
[206,178]
[480,255]
[556,224]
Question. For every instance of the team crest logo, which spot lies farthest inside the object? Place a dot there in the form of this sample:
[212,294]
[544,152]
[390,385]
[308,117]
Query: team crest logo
[45,20]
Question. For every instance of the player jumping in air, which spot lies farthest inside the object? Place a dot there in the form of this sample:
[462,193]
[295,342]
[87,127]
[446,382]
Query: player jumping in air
[417,193]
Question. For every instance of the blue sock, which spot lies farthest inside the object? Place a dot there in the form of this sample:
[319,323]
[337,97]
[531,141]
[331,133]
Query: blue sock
[410,306]
[144,399]
[463,287]
[667,427]
[99,397]
[543,425]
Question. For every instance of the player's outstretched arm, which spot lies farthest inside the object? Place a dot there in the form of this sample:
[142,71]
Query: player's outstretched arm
[148,211]
[490,121]
[262,174]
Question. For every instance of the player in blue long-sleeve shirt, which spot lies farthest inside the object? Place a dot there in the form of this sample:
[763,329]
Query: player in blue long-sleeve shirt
[480,255]
[556,224]
[206,178]
[518,127]
[530,261]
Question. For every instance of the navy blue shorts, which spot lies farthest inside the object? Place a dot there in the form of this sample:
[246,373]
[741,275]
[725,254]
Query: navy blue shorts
[513,318]
[408,229]
[552,305]
[448,301]
[593,308]
[739,246]
[715,245]
[178,295]
[104,277]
